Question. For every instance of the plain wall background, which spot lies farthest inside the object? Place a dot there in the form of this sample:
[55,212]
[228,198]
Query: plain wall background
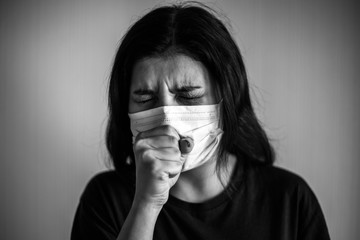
[302,58]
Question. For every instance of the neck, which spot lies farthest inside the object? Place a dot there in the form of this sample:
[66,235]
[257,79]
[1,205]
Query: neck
[203,183]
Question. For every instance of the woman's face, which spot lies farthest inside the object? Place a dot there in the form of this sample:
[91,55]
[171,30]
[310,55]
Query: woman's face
[171,81]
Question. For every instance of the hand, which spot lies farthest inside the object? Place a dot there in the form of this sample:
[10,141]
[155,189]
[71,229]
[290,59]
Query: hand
[158,164]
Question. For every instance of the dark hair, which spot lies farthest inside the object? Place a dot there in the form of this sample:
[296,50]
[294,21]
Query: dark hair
[192,30]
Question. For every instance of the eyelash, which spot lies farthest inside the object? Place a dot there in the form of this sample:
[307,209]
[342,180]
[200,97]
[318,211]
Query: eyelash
[145,101]
[188,98]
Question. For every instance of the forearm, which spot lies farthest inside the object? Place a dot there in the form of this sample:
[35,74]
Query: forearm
[140,222]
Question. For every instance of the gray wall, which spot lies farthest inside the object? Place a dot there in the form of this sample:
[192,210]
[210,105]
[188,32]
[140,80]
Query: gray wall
[55,57]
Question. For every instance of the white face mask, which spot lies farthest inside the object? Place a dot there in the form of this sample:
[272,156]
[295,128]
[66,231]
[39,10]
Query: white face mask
[200,122]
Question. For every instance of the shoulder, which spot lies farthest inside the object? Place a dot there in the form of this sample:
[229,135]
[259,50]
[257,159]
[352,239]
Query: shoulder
[285,193]
[103,206]
[277,175]
[297,193]
[108,177]
[108,185]
[286,184]
[278,179]
[277,185]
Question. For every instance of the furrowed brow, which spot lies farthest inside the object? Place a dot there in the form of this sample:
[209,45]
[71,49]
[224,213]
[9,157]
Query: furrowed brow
[188,88]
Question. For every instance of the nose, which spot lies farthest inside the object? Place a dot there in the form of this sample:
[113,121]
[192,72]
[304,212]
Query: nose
[166,97]
[166,100]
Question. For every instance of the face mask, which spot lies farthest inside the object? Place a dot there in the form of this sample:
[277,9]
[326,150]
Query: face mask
[200,122]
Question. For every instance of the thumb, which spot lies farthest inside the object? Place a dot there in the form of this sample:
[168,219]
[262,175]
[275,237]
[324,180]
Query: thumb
[186,144]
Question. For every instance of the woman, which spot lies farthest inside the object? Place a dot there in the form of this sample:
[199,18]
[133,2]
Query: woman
[191,159]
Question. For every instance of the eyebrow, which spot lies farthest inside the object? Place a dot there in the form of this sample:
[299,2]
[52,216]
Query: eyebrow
[182,89]
[188,88]
[144,92]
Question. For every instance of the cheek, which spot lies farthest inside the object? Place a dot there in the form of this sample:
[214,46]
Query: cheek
[214,95]
[133,107]
[218,96]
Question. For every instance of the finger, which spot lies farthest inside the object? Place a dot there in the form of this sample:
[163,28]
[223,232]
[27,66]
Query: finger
[151,156]
[186,145]
[160,142]
[158,131]
[169,169]
[161,162]
[168,154]
[171,162]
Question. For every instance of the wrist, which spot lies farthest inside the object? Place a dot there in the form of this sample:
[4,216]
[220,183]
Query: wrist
[149,206]
[140,222]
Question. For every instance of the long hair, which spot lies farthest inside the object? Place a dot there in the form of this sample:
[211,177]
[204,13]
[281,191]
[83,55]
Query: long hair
[193,30]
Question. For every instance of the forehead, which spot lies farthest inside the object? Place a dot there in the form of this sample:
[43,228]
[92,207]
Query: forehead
[175,71]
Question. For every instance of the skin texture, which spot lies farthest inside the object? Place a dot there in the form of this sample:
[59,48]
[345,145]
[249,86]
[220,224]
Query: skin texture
[171,81]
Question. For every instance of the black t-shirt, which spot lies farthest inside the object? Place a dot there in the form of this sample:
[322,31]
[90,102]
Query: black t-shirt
[264,203]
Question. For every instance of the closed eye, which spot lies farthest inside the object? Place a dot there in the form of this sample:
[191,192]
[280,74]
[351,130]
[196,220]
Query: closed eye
[143,92]
[184,89]
[141,99]
[143,96]
[190,96]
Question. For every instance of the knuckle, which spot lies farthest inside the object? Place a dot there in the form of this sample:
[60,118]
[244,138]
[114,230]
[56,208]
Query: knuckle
[173,140]
[152,167]
[146,156]
[148,162]
[177,165]
[171,131]
[177,152]
[138,145]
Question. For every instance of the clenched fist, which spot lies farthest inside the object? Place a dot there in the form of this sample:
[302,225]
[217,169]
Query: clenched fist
[158,163]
